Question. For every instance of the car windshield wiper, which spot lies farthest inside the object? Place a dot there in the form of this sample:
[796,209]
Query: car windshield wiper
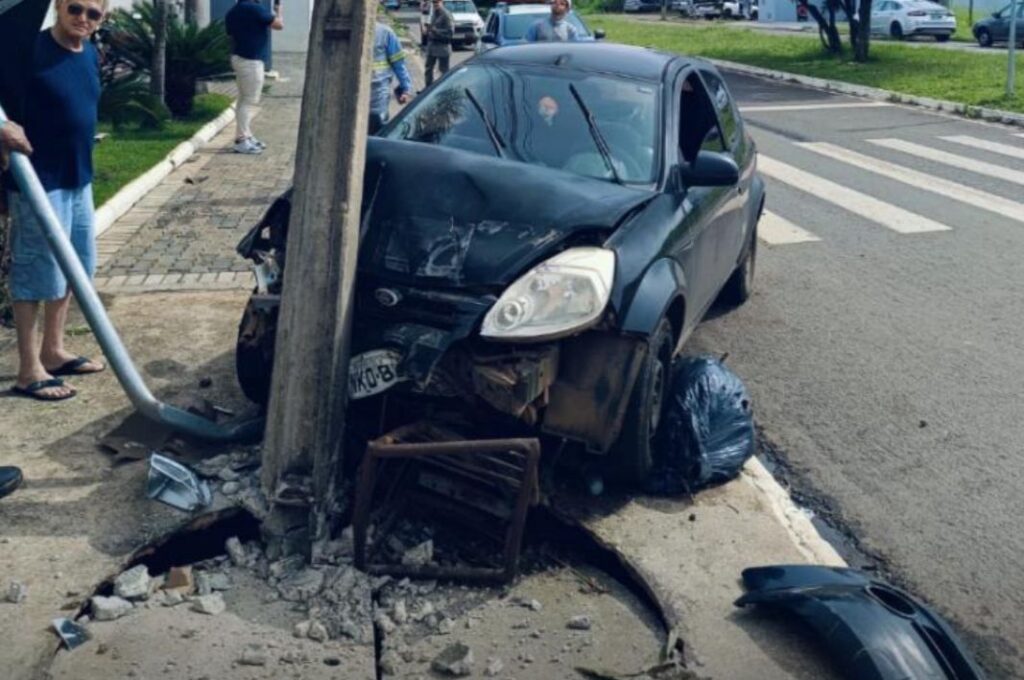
[496,140]
[595,132]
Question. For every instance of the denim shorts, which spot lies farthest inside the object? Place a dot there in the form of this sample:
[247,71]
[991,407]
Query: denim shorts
[35,274]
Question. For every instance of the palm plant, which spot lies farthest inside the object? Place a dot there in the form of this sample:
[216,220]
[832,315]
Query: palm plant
[192,52]
[127,100]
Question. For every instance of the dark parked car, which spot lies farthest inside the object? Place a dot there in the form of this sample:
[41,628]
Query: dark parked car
[996,28]
[542,230]
[507,25]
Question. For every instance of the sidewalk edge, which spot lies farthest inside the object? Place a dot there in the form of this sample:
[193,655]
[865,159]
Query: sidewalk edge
[796,522]
[963,110]
[134,191]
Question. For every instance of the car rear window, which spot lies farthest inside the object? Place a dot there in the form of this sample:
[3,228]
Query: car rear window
[516,24]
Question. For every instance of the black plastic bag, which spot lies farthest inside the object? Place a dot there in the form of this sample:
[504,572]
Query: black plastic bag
[707,432]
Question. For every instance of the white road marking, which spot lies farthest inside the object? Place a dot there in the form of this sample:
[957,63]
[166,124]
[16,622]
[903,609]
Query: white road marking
[957,161]
[778,231]
[811,106]
[868,207]
[921,180]
[986,145]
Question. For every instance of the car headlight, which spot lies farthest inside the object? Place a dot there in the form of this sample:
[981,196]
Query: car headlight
[566,293]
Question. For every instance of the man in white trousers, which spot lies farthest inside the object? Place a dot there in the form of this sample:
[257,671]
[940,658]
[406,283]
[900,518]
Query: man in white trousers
[249,23]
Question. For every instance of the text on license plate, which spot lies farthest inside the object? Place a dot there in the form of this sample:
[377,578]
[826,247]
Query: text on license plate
[373,372]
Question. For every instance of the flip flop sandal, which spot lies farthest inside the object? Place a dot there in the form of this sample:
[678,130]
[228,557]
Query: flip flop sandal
[72,367]
[32,391]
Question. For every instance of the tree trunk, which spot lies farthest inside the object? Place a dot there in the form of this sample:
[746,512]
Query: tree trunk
[862,47]
[159,62]
[826,27]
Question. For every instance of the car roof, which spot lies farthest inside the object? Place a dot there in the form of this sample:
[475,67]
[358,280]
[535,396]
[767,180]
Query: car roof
[527,9]
[626,60]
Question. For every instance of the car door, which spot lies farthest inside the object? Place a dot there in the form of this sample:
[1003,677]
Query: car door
[878,17]
[1000,26]
[704,212]
[730,228]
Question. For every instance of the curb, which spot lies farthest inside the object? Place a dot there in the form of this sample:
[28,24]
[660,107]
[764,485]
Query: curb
[134,191]
[944,106]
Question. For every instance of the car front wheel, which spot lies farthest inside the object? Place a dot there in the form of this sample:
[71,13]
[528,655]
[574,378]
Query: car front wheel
[984,37]
[896,31]
[632,456]
[944,37]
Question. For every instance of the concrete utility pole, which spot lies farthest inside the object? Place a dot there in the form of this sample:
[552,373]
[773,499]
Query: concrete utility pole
[309,389]
[1011,50]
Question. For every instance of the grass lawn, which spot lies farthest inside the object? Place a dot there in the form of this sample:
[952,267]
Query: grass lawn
[965,77]
[126,154]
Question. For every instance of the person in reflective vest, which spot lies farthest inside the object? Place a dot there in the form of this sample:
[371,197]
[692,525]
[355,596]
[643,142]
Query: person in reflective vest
[388,61]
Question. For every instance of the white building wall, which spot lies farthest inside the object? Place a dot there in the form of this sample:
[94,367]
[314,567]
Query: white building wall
[294,37]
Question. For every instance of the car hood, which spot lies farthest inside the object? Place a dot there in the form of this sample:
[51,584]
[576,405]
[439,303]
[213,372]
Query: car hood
[466,17]
[443,217]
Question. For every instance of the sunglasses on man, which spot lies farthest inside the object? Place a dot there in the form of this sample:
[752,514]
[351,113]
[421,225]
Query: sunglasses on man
[91,14]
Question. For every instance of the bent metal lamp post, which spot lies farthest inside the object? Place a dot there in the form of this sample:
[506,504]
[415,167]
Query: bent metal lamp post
[99,322]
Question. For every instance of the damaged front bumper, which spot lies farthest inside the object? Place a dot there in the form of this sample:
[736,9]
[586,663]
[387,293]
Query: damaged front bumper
[577,388]
[873,630]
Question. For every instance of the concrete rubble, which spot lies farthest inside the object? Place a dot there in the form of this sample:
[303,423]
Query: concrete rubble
[16,592]
[455,660]
[133,584]
[109,608]
[211,604]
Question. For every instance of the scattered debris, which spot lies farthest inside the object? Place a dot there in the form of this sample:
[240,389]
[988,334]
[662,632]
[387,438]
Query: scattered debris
[133,584]
[109,608]
[399,614]
[179,580]
[253,656]
[494,666]
[301,629]
[71,633]
[389,662]
[174,484]
[455,660]
[230,488]
[212,604]
[581,622]
[300,586]
[16,592]
[420,555]
[172,598]
[212,581]
[236,551]
[318,632]
[445,626]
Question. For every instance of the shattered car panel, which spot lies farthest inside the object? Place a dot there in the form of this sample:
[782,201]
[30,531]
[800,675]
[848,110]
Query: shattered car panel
[874,630]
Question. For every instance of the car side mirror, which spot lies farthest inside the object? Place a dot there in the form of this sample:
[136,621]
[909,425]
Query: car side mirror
[709,169]
[997,14]
[489,39]
[599,34]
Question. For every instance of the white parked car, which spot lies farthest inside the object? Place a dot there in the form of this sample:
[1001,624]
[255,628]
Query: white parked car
[469,25]
[731,9]
[902,18]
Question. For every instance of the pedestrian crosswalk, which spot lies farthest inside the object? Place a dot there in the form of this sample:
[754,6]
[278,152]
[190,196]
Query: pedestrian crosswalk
[923,168]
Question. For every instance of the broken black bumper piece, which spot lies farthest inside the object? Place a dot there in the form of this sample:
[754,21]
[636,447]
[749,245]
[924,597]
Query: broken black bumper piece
[873,630]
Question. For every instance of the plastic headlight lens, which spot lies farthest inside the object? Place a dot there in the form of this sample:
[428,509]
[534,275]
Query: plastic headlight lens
[567,293]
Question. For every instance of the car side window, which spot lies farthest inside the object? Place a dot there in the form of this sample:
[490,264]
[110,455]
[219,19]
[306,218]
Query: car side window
[492,25]
[698,124]
[724,107]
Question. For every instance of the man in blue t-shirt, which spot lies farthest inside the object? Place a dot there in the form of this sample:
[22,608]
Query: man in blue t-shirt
[248,24]
[61,90]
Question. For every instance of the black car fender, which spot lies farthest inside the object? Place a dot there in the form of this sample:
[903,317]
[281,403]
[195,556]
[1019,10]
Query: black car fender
[661,292]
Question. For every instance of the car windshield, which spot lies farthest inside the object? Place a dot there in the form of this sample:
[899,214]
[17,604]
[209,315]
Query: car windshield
[460,6]
[516,24]
[535,118]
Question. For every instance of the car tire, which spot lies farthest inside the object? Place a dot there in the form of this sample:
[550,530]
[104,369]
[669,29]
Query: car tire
[254,352]
[984,37]
[896,31]
[632,456]
[740,285]
[942,38]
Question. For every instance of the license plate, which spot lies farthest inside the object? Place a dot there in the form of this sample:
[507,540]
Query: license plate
[373,372]
[936,16]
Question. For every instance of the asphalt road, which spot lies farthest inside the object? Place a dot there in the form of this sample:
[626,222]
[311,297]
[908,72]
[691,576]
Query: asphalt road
[883,344]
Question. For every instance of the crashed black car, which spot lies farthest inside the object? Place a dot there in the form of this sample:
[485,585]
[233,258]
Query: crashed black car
[542,229]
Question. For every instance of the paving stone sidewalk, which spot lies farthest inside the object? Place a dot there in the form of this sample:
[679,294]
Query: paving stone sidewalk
[182,235]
